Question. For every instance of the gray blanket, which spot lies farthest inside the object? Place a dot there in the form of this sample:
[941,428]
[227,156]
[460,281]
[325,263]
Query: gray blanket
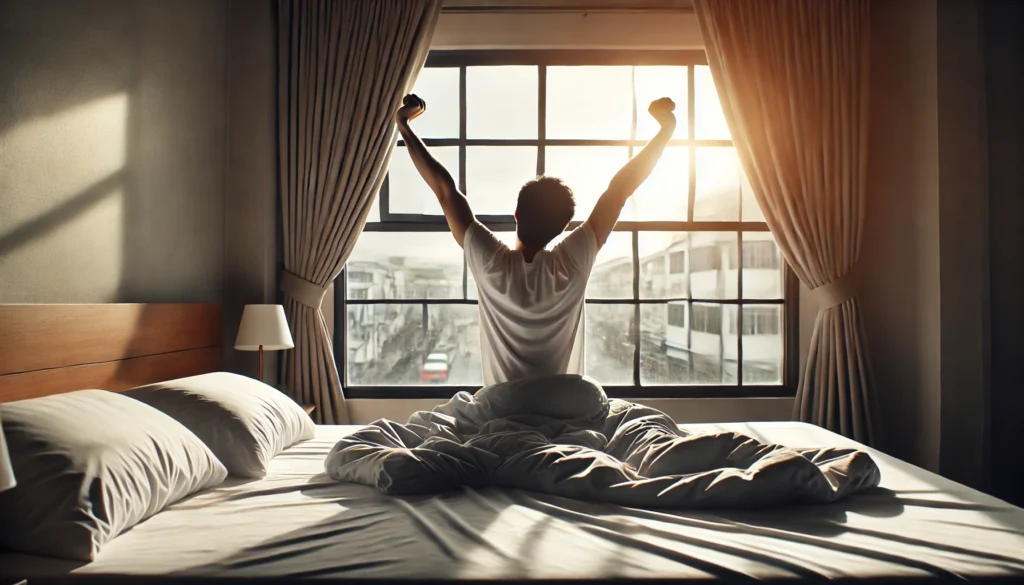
[561,435]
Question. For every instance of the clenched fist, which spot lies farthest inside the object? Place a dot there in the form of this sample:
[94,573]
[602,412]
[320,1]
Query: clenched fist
[662,110]
[412,106]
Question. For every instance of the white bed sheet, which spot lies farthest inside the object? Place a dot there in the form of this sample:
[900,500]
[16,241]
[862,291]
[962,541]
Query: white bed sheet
[297,522]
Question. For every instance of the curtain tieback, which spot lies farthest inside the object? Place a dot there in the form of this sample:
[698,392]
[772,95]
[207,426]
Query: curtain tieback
[833,293]
[302,290]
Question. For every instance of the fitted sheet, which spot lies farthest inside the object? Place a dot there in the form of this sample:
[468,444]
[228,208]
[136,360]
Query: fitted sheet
[298,523]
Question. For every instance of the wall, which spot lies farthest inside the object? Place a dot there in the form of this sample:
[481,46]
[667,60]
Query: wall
[250,225]
[898,268]
[567,30]
[963,243]
[1004,77]
[112,139]
[924,269]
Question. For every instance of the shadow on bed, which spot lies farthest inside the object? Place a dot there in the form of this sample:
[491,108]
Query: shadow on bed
[366,518]
[453,527]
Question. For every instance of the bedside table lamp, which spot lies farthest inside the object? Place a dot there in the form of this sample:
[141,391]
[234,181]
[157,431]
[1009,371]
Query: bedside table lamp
[6,471]
[263,327]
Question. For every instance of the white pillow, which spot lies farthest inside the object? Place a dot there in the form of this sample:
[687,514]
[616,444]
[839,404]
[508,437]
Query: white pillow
[90,465]
[243,421]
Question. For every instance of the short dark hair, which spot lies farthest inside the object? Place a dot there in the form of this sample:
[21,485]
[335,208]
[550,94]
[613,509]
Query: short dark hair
[546,206]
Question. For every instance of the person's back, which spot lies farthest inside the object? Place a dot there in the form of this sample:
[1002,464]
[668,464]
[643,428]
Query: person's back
[531,312]
[531,299]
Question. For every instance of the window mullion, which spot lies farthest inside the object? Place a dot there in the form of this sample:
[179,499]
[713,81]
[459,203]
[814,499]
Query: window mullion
[542,116]
[462,169]
[739,308]
[341,325]
[462,129]
[691,118]
[636,308]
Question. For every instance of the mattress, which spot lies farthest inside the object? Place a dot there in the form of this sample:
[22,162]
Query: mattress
[298,523]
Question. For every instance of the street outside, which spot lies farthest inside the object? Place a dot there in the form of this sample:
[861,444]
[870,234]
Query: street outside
[609,353]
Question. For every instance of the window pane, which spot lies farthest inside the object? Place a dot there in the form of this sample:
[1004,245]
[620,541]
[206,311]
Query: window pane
[681,344]
[439,87]
[762,334]
[587,170]
[402,265]
[589,102]
[609,343]
[664,195]
[688,264]
[763,272]
[407,191]
[494,175]
[655,82]
[663,265]
[452,353]
[501,102]
[612,276]
[719,183]
[374,215]
[383,342]
[710,122]
[509,239]
[751,209]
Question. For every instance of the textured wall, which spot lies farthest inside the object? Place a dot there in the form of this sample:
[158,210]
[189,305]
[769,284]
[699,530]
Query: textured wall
[250,225]
[899,265]
[1004,49]
[112,124]
[924,270]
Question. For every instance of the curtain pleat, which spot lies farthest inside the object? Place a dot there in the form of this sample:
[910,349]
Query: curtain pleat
[793,80]
[343,68]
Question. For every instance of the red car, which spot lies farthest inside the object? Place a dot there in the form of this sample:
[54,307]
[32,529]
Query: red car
[435,368]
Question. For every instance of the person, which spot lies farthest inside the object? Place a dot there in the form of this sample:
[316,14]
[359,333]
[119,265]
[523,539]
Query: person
[531,299]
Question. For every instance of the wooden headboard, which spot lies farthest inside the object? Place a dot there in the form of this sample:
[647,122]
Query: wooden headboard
[50,349]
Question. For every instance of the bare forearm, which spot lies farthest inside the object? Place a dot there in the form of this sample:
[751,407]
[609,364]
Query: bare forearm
[636,171]
[606,212]
[432,171]
[454,204]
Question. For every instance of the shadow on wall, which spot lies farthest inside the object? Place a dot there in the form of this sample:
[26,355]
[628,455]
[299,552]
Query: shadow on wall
[112,133]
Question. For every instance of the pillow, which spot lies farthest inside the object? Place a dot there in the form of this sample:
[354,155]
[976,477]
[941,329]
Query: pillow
[243,421]
[90,465]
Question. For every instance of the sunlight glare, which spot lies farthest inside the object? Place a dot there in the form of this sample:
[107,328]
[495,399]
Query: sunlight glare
[710,121]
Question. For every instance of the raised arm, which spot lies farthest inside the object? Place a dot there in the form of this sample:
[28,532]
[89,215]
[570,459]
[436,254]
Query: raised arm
[631,176]
[453,202]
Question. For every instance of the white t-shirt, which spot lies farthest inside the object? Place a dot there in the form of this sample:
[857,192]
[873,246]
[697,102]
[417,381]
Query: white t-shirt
[531,313]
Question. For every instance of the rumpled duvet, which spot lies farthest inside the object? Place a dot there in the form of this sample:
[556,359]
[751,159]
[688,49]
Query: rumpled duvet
[561,435]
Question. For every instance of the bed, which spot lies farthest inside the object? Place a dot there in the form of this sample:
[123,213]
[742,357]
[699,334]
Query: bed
[296,524]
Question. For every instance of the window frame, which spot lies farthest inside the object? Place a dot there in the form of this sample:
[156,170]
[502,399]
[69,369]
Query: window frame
[398,222]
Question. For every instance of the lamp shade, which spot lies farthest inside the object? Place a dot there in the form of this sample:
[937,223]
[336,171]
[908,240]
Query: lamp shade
[6,471]
[263,325]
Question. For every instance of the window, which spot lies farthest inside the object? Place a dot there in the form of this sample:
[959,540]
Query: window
[758,321]
[676,315]
[659,291]
[707,258]
[677,262]
[707,318]
[761,255]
